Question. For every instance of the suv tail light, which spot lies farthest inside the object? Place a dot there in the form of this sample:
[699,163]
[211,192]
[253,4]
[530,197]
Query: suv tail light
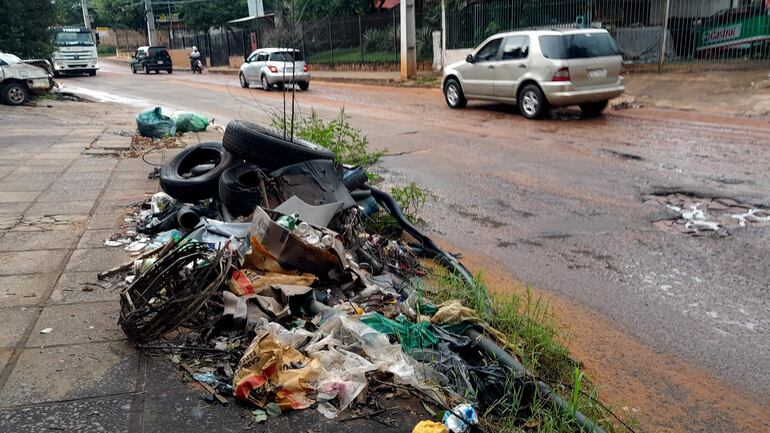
[305,68]
[561,75]
[272,69]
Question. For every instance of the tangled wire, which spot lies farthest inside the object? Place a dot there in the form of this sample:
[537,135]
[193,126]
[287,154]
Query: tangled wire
[172,290]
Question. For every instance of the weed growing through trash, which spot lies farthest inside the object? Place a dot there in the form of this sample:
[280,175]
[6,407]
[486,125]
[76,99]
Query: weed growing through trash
[349,144]
[411,199]
[533,336]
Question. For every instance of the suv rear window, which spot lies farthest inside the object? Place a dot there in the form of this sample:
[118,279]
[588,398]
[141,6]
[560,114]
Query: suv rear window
[286,56]
[578,46]
[158,52]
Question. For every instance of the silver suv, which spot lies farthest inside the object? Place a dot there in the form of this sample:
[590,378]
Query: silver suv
[539,69]
[275,67]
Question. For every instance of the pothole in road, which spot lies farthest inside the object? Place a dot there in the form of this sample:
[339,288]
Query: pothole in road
[704,216]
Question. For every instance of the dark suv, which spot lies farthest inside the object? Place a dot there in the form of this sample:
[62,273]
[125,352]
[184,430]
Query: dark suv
[151,59]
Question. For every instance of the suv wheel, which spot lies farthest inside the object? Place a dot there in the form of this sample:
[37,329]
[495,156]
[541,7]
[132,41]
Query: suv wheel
[265,84]
[304,85]
[532,102]
[146,70]
[14,93]
[453,94]
[242,79]
[593,109]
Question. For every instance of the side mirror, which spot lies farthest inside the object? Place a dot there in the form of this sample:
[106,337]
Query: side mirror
[470,59]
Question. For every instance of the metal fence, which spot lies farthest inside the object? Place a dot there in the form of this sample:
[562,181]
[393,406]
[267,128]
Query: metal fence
[693,31]
[371,39]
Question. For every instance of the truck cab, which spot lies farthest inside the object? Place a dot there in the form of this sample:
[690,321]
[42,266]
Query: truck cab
[74,51]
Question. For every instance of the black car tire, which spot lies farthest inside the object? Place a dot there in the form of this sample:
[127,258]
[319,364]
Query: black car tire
[92,73]
[267,148]
[239,189]
[133,69]
[593,109]
[304,85]
[14,93]
[175,178]
[538,107]
[265,84]
[243,81]
[146,70]
[170,71]
[459,101]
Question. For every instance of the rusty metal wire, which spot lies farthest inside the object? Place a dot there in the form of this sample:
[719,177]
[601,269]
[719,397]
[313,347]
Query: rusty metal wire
[172,290]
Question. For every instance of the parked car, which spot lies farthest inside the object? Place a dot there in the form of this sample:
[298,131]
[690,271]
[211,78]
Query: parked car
[20,77]
[275,67]
[540,69]
[151,59]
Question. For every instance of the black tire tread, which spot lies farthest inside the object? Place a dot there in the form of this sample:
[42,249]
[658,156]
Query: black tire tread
[267,148]
[239,199]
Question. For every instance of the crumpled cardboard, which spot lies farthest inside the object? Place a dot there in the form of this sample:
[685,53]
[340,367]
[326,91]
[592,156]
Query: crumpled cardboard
[276,249]
[272,371]
[248,282]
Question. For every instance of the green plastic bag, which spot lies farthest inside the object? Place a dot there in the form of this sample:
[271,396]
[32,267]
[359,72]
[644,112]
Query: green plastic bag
[190,122]
[410,335]
[153,123]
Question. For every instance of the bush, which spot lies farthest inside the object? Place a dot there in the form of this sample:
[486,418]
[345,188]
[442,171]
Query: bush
[348,143]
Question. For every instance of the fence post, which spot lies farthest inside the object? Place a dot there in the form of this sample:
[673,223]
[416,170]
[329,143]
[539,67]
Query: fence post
[331,45]
[395,36]
[664,39]
[361,39]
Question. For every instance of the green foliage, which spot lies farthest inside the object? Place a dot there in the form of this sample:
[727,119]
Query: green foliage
[348,143]
[411,199]
[533,335]
[23,25]
[424,40]
[353,55]
[381,39]
[119,14]
[213,13]
[105,50]
[69,13]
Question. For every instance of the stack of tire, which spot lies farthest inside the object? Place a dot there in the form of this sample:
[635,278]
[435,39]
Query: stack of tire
[229,171]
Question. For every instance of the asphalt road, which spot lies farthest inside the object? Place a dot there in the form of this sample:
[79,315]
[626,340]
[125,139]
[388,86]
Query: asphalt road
[562,204]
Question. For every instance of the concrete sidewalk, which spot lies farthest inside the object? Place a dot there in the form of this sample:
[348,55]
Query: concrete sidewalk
[58,203]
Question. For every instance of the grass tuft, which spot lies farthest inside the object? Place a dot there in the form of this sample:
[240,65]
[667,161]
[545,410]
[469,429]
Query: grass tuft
[533,336]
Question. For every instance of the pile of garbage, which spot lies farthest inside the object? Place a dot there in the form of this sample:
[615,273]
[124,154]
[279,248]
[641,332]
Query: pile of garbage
[255,273]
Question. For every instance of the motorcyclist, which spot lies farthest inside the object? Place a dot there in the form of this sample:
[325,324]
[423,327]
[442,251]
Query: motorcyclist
[195,57]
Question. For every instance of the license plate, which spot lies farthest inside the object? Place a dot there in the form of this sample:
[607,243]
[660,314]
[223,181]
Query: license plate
[597,73]
[160,62]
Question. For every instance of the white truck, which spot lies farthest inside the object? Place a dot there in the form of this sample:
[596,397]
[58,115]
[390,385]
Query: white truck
[74,51]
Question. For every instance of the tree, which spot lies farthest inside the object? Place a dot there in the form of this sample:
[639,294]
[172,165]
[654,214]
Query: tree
[68,13]
[213,13]
[23,25]
[127,14]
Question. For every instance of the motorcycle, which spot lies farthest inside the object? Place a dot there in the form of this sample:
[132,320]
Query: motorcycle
[196,65]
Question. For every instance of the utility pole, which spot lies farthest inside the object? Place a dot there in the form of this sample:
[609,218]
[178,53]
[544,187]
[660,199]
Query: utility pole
[86,16]
[664,38]
[150,22]
[408,41]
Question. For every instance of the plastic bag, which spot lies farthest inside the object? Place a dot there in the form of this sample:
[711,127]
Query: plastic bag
[153,123]
[190,122]
[410,335]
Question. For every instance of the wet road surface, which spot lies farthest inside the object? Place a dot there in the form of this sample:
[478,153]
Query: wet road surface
[564,204]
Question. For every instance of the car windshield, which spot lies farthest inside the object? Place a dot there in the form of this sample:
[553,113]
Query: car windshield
[287,56]
[63,38]
[8,59]
[578,46]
